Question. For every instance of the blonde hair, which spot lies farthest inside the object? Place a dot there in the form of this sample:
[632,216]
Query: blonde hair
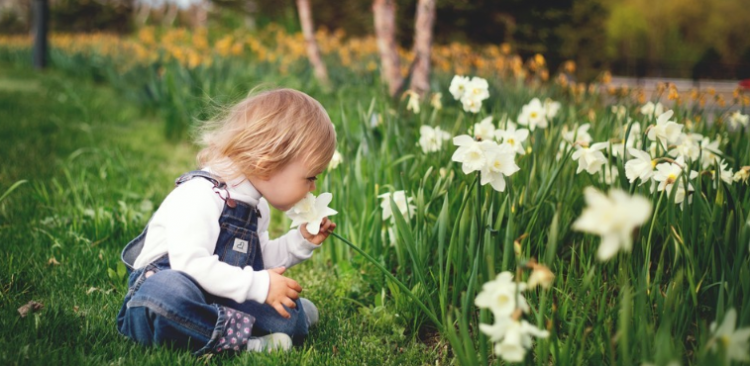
[266,131]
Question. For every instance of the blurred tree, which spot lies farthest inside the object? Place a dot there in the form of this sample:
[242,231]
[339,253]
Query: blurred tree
[313,51]
[384,16]
[425,20]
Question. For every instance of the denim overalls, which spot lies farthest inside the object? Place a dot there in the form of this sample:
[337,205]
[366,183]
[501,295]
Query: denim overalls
[165,306]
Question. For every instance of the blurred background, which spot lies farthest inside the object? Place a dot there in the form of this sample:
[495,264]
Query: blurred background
[694,39]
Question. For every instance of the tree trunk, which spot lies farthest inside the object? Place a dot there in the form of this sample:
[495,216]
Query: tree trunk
[385,31]
[420,79]
[313,51]
[251,9]
[199,14]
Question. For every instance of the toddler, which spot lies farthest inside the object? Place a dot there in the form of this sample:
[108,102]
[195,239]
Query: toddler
[204,274]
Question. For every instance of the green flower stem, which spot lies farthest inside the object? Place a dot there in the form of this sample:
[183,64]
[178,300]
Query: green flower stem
[388,274]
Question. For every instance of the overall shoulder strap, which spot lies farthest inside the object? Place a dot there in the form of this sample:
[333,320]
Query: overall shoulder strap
[218,183]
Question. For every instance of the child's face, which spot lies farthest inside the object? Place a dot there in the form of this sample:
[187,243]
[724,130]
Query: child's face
[287,186]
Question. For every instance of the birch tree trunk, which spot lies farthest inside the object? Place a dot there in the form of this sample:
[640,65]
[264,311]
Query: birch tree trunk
[425,20]
[384,12]
[199,14]
[313,51]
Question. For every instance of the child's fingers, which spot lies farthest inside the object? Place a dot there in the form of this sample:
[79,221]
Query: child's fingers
[289,303]
[292,284]
[280,309]
[279,270]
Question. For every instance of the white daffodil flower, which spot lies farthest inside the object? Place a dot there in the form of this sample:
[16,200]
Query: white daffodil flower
[484,130]
[610,174]
[512,337]
[413,103]
[478,89]
[710,151]
[404,204]
[590,158]
[687,145]
[613,217]
[668,173]
[665,131]
[431,139]
[735,342]
[458,86]
[725,174]
[620,111]
[502,296]
[533,115]
[499,163]
[642,166]
[650,109]
[742,175]
[471,104]
[579,135]
[470,153]
[551,108]
[738,119]
[513,138]
[435,101]
[311,211]
[336,160]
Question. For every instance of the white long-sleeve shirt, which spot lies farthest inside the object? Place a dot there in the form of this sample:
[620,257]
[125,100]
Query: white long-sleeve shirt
[186,226]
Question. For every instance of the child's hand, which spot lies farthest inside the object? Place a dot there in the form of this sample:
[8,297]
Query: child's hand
[326,226]
[282,291]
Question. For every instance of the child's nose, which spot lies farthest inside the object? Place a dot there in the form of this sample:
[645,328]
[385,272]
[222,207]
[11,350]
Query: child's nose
[312,186]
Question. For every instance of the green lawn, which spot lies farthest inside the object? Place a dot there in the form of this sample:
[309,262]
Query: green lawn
[96,166]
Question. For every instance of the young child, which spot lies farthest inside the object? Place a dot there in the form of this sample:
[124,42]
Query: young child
[204,274]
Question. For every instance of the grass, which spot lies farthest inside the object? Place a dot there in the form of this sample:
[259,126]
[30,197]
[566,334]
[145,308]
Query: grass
[688,267]
[95,168]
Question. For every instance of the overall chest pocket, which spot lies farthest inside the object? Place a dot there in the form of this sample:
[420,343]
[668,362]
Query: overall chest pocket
[237,245]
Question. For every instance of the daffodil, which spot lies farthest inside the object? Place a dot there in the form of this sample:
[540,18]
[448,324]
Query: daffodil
[499,164]
[735,342]
[413,103]
[742,175]
[650,109]
[710,151]
[687,145]
[484,130]
[590,158]
[431,139]
[533,115]
[641,166]
[311,211]
[470,153]
[471,104]
[668,173]
[435,101]
[613,217]
[738,119]
[665,131]
[336,160]
[477,88]
[404,204]
[458,86]
[502,296]
[579,135]
[725,174]
[512,137]
[551,108]
[512,337]
[610,174]
[633,139]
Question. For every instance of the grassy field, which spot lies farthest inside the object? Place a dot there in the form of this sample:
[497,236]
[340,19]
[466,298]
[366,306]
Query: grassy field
[94,168]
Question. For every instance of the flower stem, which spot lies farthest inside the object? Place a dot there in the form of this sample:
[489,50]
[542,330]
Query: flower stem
[390,276]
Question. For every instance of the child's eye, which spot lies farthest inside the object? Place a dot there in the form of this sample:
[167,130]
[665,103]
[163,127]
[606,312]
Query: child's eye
[312,179]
